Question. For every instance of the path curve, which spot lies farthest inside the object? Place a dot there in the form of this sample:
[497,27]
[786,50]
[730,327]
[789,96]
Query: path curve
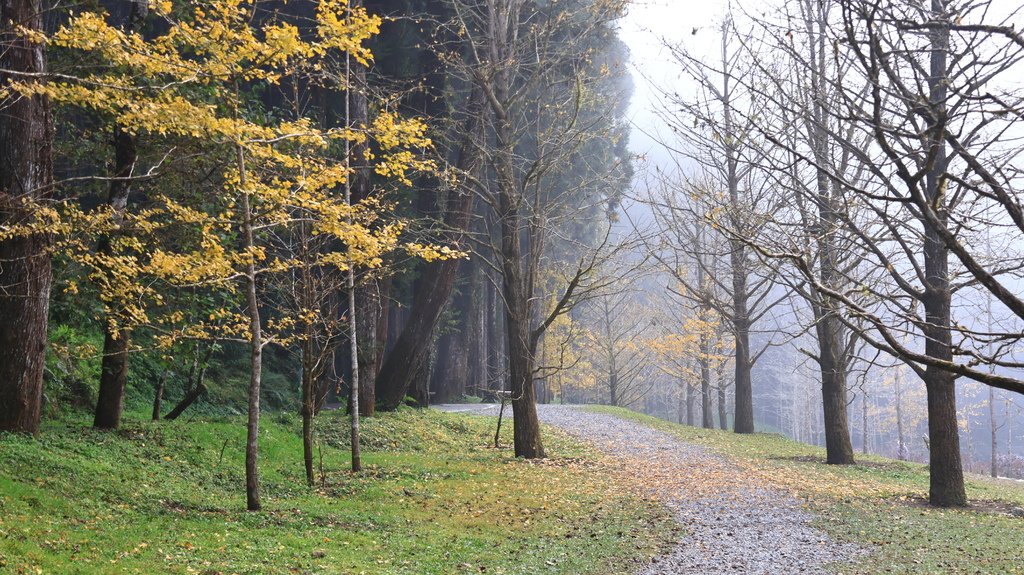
[732,525]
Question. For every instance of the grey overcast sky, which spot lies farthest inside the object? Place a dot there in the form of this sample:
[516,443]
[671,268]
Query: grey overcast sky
[651,24]
[646,29]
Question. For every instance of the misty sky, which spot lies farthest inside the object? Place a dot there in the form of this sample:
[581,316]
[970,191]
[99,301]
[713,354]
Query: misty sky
[646,29]
[650,24]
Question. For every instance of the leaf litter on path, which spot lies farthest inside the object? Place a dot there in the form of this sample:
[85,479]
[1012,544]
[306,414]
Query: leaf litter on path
[735,518]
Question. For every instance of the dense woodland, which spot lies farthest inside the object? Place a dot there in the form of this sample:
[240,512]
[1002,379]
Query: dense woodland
[233,206]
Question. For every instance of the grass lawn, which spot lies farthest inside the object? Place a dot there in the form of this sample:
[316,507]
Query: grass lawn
[879,503]
[168,497]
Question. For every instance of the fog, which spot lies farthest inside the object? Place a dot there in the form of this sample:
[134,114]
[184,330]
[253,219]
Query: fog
[787,396]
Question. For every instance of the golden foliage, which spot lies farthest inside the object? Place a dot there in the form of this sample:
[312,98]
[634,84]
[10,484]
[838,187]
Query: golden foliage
[187,85]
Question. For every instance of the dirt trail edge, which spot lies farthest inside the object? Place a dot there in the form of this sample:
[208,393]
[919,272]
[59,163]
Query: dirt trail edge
[732,524]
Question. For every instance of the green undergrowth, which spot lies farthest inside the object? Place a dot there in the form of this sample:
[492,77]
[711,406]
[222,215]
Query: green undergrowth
[879,503]
[167,497]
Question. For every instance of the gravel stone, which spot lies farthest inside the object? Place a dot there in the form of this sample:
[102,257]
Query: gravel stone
[731,525]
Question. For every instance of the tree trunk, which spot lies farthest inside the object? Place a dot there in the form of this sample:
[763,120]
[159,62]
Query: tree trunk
[158,395]
[743,420]
[478,332]
[448,380]
[832,356]
[497,351]
[681,409]
[723,408]
[994,430]
[190,398]
[196,383]
[613,385]
[113,378]
[308,383]
[946,471]
[419,391]
[947,479]
[526,434]
[947,476]
[316,355]
[707,418]
[439,369]
[328,381]
[901,440]
[832,361]
[369,309]
[372,302]
[516,270]
[26,173]
[356,105]
[864,423]
[354,394]
[689,405]
[117,339]
[369,299]
[517,300]
[406,359]
[252,471]
[1008,423]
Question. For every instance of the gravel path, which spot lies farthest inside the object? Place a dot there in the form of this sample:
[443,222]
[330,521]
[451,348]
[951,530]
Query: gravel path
[731,524]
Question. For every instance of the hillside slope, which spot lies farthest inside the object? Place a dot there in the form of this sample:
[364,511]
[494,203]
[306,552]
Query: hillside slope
[167,497]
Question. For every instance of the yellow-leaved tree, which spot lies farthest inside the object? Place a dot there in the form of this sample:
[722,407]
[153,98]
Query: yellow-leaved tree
[559,360]
[194,82]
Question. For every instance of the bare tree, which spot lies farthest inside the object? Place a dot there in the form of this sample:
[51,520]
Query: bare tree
[714,128]
[528,62]
[930,137]
[620,328]
[693,248]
